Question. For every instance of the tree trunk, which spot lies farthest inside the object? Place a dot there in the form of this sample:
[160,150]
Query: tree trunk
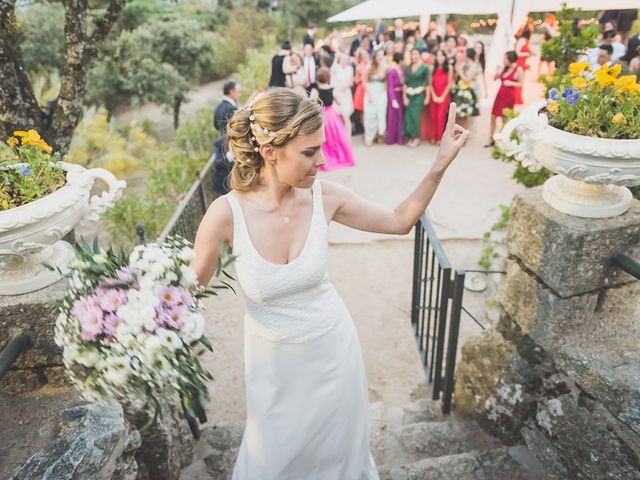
[176,112]
[19,109]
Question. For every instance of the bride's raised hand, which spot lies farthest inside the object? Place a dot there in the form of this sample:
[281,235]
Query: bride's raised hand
[453,139]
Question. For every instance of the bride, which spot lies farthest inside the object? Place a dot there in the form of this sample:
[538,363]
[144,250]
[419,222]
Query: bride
[306,390]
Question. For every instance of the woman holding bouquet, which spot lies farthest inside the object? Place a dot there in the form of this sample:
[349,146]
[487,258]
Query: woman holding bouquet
[307,400]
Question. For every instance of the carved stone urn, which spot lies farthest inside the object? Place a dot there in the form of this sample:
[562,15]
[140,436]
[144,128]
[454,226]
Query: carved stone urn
[31,235]
[593,173]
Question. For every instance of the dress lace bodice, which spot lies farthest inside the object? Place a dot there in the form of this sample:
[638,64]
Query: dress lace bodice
[292,302]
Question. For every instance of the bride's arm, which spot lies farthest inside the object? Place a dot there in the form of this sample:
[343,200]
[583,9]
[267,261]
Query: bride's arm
[216,228]
[355,212]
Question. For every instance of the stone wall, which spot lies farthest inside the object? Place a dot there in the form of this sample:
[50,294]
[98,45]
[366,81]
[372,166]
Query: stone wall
[561,371]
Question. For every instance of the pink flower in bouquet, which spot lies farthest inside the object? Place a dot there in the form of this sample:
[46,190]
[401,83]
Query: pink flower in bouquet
[111,322]
[175,296]
[110,299]
[89,314]
[125,274]
[171,316]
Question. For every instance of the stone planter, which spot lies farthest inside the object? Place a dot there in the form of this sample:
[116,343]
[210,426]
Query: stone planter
[30,235]
[593,172]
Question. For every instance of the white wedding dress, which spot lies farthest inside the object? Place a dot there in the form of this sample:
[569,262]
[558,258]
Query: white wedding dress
[307,400]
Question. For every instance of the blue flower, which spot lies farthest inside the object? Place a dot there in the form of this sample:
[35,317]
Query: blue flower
[568,92]
[572,98]
[24,170]
[553,94]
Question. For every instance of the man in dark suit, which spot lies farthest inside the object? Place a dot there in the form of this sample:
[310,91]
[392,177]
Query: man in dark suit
[223,161]
[356,41]
[398,33]
[310,36]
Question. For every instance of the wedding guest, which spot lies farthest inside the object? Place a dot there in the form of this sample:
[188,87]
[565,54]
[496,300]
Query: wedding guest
[511,77]
[309,66]
[297,81]
[480,86]
[617,50]
[450,49]
[336,147]
[375,100]
[439,94]
[362,33]
[395,103]
[281,66]
[342,82]
[310,36]
[416,95]
[549,30]
[362,66]
[223,160]
[398,32]
[465,97]
[522,48]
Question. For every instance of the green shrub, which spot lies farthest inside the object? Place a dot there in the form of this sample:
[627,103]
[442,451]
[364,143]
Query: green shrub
[42,36]
[254,74]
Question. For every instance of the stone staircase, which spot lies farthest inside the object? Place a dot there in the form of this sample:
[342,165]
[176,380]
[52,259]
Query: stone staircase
[416,442]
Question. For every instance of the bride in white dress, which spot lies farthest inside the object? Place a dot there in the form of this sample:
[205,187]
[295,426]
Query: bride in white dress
[307,401]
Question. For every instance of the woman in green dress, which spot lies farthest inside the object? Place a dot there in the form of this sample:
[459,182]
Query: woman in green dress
[416,80]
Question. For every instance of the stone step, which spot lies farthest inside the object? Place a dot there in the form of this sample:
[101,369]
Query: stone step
[495,464]
[215,453]
[416,441]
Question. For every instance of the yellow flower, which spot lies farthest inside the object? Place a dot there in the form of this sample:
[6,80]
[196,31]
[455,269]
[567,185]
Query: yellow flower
[31,137]
[13,141]
[579,82]
[603,78]
[578,67]
[627,83]
[552,106]
[615,70]
[617,118]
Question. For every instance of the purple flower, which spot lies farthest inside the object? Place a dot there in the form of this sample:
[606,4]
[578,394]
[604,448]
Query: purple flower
[125,275]
[110,299]
[90,316]
[24,170]
[554,93]
[111,322]
[175,296]
[171,316]
[573,98]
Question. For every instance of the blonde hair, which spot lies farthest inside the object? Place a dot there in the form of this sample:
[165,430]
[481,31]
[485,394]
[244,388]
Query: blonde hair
[275,117]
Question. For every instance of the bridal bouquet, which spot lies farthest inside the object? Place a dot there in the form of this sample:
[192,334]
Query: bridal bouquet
[130,327]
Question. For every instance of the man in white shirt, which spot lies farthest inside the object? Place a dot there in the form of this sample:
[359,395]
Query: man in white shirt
[398,31]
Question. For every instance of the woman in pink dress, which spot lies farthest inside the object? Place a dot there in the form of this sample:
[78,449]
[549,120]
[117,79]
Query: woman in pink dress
[439,94]
[511,78]
[336,148]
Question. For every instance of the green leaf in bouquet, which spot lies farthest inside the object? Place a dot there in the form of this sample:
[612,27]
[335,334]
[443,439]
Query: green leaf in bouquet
[205,341]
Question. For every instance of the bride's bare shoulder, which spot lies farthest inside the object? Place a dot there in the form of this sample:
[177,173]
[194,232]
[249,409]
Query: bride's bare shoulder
[218,220]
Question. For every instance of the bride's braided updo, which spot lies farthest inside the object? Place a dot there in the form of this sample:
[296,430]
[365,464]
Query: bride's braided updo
[274,117]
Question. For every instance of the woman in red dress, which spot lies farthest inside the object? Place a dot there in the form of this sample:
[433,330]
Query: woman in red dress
[511,78]
[362,65]
[524,52]
[439,94]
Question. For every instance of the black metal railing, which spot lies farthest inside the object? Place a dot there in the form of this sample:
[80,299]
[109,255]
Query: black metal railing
[627,264]
[12,351]
[435,311]
[192,207]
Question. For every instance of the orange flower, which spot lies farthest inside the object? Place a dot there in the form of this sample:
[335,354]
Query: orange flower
[31,137]
[13,141]
[617,118]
